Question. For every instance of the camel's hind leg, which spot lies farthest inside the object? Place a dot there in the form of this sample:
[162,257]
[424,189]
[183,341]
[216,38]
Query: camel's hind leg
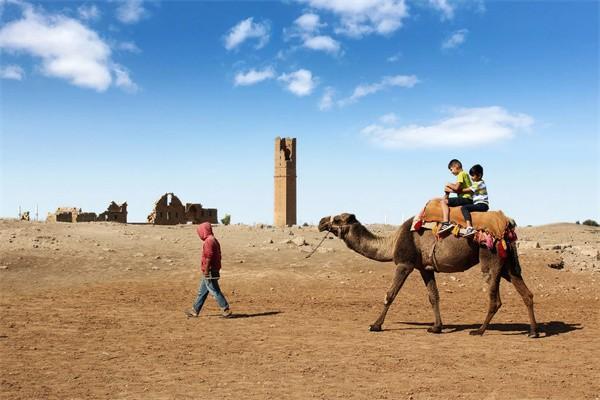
[512,273]
[519,283]
[434,299]
[495,302]
[402,272]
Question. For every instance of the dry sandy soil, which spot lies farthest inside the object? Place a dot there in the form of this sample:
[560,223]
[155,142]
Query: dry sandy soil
[95,310]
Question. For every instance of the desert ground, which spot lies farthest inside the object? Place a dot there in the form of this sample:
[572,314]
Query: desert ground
[95,310]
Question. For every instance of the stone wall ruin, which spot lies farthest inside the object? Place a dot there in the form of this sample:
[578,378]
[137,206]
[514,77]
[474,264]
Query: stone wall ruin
[169,210]
[114,213]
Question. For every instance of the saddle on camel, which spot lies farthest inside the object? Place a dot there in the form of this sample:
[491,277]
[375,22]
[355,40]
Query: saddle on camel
[494,229]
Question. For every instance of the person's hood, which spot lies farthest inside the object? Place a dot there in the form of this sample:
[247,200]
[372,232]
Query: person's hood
[204,230]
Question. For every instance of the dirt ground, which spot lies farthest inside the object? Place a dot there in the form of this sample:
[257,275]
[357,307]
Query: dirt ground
[95,310]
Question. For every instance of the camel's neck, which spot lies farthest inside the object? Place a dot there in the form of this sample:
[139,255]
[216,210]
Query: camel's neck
[378,248]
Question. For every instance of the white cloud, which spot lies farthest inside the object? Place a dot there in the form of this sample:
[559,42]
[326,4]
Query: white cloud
[301,82]
[128,46]
[456,39]
[362,17]
[306,28]
[130,11]
[326,102]
[444,7]
[360,91]
[322,43]
[394,58]
[389,119]
[309,22]
[67,49]
[12,72]
[123,80]
[247,29]
[253,76]
[464,127]
[88,12]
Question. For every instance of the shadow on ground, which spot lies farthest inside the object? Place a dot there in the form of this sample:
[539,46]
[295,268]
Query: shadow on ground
[546,329]
[248,315]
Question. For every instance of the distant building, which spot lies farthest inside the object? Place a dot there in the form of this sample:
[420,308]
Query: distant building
[169,210]
[285,182]
[114,213]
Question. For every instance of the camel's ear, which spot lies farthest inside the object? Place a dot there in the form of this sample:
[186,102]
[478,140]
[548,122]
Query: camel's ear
[352,219]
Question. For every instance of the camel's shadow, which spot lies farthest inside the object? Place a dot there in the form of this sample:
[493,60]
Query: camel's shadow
[545,329]
[247,315]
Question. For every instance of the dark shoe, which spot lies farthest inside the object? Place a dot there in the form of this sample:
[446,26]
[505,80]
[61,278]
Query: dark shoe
[446,226]
[191,313]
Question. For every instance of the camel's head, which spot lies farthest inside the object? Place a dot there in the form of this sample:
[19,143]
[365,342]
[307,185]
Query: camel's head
[338,224]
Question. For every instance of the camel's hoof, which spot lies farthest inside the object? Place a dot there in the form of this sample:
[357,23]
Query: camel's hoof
[375,328]
[477,332]
[434,329]
[533,335]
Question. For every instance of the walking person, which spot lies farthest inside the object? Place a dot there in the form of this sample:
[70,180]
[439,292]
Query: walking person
[210,266]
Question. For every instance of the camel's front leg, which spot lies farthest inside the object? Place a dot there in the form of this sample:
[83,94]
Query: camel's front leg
[434,299]
[402,272]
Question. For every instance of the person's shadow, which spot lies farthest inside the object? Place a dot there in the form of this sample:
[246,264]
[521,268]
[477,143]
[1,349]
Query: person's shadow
[249,315]
[545,328]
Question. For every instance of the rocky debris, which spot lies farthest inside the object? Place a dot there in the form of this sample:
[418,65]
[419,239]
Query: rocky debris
[138,255]
[3,266]
[286,241]
[325,250]
[157,257]
[557,265]
[562,246]
[268,241]
[527,244]
[108,250]
[299,241]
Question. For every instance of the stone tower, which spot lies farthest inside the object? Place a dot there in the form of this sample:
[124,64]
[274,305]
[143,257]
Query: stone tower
[285,181]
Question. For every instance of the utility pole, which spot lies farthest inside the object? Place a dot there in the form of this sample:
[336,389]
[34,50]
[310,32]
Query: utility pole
[36,212]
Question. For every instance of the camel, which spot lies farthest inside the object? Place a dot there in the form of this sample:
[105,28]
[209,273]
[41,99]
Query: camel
[421,250]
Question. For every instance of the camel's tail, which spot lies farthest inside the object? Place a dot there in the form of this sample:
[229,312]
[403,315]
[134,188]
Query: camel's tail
[515,265]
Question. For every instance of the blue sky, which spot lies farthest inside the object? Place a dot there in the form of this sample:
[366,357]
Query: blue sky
[127,100]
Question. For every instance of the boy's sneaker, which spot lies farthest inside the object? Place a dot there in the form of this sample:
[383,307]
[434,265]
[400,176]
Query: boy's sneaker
[191,313]
[446,226]
[469,232]
[226,313]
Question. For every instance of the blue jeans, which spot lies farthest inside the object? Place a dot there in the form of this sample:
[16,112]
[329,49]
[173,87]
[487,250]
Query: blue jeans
[210,286]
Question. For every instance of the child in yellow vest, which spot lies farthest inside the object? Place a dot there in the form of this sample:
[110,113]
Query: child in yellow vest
[463,181]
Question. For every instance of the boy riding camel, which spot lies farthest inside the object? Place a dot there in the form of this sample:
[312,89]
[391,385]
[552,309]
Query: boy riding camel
[463,181]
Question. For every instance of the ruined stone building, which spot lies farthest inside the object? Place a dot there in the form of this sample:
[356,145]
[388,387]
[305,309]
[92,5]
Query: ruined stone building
[114,213]
[169,210]
[71,214]
[285,182]
[196,214]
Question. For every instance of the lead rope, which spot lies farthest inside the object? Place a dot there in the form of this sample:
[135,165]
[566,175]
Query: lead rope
[320,243]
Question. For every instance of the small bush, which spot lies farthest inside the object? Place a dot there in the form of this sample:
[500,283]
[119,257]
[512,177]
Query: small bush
[577,223]
[590,222]
[226,220]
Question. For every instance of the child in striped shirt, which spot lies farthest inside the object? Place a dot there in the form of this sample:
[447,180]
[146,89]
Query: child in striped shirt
[480,197]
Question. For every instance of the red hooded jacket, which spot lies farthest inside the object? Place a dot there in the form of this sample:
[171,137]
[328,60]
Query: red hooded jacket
[211,249]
